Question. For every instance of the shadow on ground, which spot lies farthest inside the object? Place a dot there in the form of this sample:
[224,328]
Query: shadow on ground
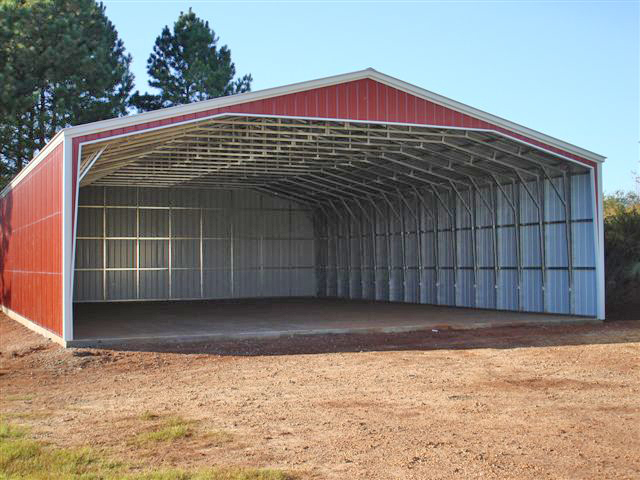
[610,332]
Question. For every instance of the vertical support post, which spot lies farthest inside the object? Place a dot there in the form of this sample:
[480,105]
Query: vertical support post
[403,249]
[515,208]
[399,217]
[137,242]
[317,249]
[339,219]
[436,253]
[384,217]
[201,252]
[569,238]
[598,221]
[338,259]
[419,259]
[473,237]
[373,252]
[170,246]
[69,212]
[436,250]
[323,227]
[494,219]
[104,243]
[389,252]
[291,268]
[363,294]
[361,242]
[452,220]
[516,196]
[232,235]
[419,248]
[543,243]
[496,253]
[540,210]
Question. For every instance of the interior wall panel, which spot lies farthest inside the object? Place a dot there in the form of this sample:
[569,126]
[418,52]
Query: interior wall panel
[503,246]
[231,244]
[191,243]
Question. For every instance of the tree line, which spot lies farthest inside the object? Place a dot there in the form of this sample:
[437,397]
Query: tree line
[62,63]
[622,253]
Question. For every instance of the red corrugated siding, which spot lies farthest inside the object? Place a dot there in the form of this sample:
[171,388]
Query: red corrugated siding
[364,99]
[31,253]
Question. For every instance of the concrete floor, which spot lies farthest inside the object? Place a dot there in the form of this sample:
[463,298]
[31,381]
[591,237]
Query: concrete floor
[184,321]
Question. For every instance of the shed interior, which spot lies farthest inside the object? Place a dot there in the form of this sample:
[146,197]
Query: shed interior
[241,207]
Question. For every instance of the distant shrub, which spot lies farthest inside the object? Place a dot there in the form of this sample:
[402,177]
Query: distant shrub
[622,248]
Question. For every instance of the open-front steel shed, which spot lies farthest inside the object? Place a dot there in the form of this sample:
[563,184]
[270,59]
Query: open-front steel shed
[358,186]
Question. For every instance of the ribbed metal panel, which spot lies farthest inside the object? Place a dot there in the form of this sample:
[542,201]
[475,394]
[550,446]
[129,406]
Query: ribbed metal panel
[31,244]
[121,285]
[226,244]
[509,247]
[188,243]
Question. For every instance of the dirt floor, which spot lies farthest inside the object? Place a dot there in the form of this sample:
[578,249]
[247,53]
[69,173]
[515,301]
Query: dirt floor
[519,402]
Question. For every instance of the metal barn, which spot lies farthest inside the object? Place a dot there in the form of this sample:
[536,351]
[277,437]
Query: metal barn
[357,194]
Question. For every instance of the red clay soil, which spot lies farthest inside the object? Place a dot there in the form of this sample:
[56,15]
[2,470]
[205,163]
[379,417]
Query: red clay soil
[525,402]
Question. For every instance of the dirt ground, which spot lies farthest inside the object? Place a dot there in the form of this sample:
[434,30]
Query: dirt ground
[525,402]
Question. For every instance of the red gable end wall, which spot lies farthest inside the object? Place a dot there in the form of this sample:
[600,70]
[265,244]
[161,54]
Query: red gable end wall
[366,100]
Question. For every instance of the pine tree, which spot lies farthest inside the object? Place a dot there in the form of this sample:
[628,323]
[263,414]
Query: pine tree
[61,64]
[187,66]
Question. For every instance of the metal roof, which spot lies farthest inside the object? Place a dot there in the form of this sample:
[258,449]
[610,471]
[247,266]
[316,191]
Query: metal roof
[369,73]
[227,138]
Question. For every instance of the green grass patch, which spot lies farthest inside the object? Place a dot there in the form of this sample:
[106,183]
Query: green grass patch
[214,474]
[8,431]
[170,430]
[24,458]
[18,398]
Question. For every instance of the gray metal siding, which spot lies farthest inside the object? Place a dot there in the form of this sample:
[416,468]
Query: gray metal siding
[503,246]
[188,243]
[507,246]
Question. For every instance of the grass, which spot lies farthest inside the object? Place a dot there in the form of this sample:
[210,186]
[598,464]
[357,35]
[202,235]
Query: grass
[170,430]
[18,398]
[175,428]
[24,458]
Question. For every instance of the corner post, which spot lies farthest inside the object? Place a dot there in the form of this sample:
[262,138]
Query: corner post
[599,231]
[68,214]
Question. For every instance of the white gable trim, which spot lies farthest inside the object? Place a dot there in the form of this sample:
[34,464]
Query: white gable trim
[165,113]
[123,122]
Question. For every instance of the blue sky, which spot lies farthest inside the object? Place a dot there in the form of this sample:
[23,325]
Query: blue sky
[566,68]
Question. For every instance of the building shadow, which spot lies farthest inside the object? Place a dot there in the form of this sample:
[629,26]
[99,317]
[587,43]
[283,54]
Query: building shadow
[610,332]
